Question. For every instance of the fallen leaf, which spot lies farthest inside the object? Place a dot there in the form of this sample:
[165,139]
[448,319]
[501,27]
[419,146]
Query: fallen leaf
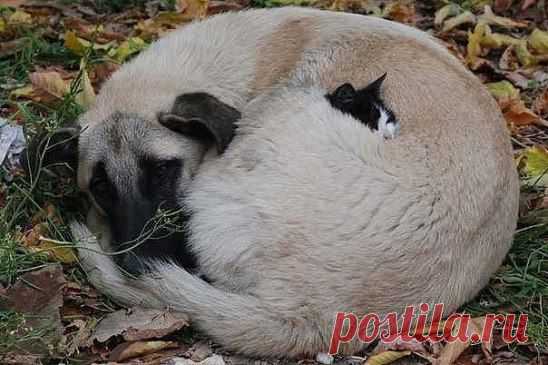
[524,56]
[127,48]
[38,294]
[536,165]
[129,350]
[400,12]
[34,241]
[447,11]
[473,49]
[490,18]
[86,96]
[540,105]
[200,351]
[193,9]
[465,18]
[501,6]
[508,60]
[76,44]
[212,360]
[139,324]
[454,349]
[2,25]
[538,40]
[519,115]
[503,91]
[51,82]
[19,17]
[386,357]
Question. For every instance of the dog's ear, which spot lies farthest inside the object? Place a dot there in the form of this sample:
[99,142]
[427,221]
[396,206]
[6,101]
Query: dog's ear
[59,147]
[203,116]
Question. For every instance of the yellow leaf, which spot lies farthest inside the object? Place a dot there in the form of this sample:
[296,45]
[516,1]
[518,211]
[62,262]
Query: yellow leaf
[503,90]
[127,48]
[193,9]
[2,25]
[34,242]
[20,17]
[464,18]
[524,56]
[51,82]
[86,96]
[490,18]
[24,91]
[76,44]
[536,165]
[473,49]
[445,12]
[539,41]
[386,357]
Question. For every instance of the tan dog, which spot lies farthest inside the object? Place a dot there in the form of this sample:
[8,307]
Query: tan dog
[309,212]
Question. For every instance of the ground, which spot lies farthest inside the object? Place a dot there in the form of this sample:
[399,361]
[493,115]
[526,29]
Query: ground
[54,56]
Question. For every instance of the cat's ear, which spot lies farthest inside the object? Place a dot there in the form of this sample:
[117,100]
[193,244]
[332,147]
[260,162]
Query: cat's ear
[375,86]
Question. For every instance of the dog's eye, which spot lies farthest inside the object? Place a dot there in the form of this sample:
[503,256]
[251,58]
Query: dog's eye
[165,167]
[100,188]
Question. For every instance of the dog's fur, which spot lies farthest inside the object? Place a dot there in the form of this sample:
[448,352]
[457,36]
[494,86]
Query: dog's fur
[309,212]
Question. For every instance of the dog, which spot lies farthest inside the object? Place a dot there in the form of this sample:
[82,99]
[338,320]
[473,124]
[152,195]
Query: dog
[307,212]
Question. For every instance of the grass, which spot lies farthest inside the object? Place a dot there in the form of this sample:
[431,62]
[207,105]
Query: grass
[520,285]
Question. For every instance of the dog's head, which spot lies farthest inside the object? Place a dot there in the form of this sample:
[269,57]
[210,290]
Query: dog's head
[136,171]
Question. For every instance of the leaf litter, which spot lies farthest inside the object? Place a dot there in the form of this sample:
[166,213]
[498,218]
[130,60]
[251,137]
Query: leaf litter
[504,42]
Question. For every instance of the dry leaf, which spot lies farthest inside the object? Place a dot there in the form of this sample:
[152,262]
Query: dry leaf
[386,357]
[536,165]
[503,91]
[51,82]
[34,241]
[193,9]
[453,350]
[540,105]
[508,60]
[86,95]
[502,5]
[447,11]
[465,18]
[473,49]
[400,12]
[490,18]
[129,350]
[19,17]
[539,41]
[127,48]
[139,324]
[39,294]
[519,115]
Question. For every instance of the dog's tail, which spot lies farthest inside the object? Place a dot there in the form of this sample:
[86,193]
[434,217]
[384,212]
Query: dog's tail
[238,322]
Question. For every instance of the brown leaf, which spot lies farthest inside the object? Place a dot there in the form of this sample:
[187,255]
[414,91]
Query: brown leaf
[519,115]
[39,294]
[465,18]
[401,12]
[509,61]
[453,350]
[193,9]
[129,350]
[386,357]
[501,6]
[139,324]
[540,105]
[490,18]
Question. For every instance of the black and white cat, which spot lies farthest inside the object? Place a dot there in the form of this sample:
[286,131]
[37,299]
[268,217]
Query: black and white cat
[367,106]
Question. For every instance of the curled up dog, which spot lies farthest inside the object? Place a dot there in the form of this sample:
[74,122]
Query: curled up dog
[307,209]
